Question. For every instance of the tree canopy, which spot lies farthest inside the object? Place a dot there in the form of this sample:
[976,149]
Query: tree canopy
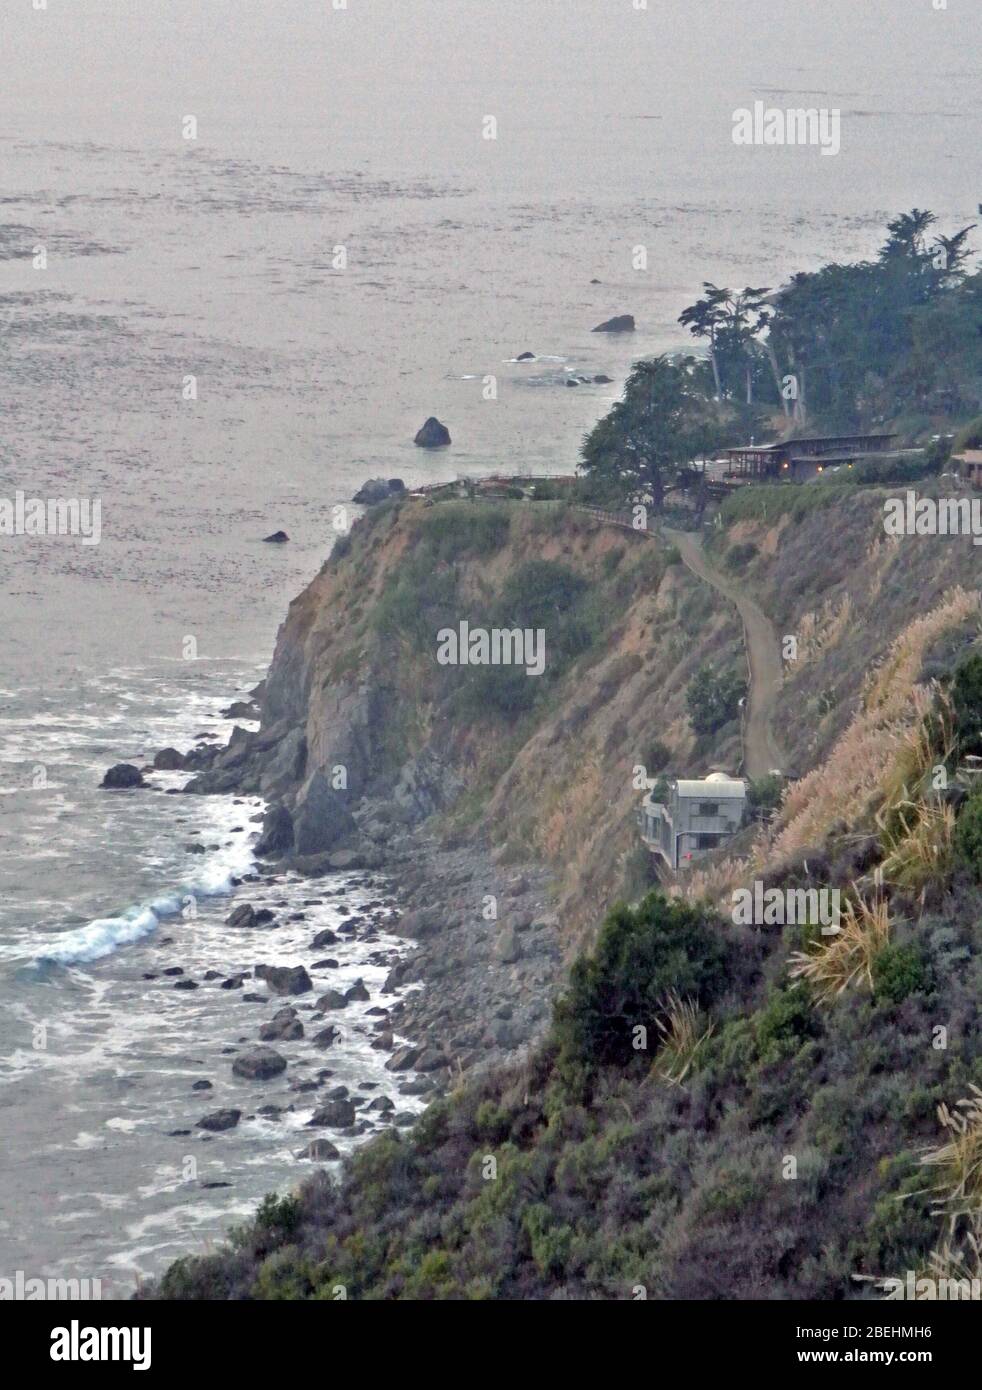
[666,418]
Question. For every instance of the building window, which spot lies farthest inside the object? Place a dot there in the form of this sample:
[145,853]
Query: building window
[708,808]
[707,841]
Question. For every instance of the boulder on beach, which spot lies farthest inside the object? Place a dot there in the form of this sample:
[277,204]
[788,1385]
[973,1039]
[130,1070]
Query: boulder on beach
[285,979]
[620,323]
[327,1037]
[220,1120]
[525,357]
[277,833]
[320,1150]
[572,381]
[337,1114]
[168,760]
[122,775]
[357,992]
[432,435]
[259,1064]
[241,709]
[404,1059]
[245,915]
[333,999]
[276,538]
[602,380]
[284,1026]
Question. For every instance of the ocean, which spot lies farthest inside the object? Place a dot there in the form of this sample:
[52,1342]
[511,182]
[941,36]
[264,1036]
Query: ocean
[222,336]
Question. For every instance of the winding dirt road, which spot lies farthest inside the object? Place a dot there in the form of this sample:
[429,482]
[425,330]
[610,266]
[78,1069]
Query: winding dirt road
[762,751]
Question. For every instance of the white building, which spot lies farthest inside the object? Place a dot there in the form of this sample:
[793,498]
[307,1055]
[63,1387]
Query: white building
[695,817]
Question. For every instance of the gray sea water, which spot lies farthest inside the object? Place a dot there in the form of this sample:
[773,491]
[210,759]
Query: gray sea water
[339,253]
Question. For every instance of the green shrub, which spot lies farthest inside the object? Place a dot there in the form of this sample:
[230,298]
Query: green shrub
[656,757]
[786,1021]
[966,697]
[640,955]
[713,700]
[740,555]
[550,1243]
[454,529]
[764,793]
[278,1215]
[968,835]
[897,972]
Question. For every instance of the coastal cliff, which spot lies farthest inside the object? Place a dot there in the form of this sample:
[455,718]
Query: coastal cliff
[716,1109]
[501,802]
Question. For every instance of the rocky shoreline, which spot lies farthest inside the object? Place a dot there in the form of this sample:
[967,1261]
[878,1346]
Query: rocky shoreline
[473,989]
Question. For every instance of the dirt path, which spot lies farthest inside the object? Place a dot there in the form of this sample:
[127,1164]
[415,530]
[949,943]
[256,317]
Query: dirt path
[761,748]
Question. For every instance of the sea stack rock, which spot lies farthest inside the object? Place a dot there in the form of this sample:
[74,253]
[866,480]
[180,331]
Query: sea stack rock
[433,435]
[621,323]
[123,775]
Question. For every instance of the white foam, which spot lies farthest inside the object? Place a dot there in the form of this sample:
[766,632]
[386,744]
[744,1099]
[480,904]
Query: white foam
[99,938]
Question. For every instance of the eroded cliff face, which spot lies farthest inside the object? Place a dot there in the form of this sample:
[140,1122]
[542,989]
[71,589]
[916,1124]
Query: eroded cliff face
[360,720]
[365,736]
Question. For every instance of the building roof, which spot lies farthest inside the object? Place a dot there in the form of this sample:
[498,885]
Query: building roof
[715,787]
[802,440]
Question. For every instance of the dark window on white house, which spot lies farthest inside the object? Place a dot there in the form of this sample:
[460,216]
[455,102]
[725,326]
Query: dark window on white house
[708,808]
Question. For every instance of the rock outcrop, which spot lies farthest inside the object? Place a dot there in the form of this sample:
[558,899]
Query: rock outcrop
[377,490]
[321,820]
[432,435]
[122,776]
[620,323]
[259,1064]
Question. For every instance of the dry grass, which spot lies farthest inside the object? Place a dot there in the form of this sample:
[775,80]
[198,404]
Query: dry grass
[712,884]
[925,746]
[920,850]
[877,753]
[832,965]
[823,629]
[683,1032]
[958,1163]
[957,1260]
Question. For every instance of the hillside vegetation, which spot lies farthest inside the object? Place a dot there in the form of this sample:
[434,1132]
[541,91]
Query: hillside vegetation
[717,1111]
